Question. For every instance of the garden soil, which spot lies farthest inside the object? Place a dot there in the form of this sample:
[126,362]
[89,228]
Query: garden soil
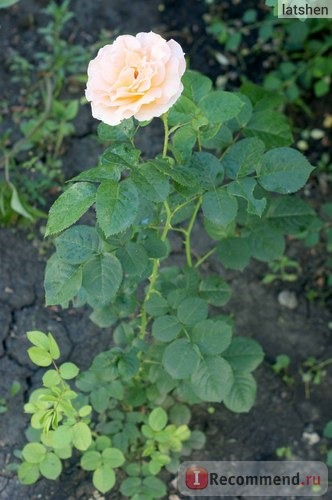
[282,415]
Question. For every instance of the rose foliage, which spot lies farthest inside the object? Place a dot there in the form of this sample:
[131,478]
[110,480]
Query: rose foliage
[225,172]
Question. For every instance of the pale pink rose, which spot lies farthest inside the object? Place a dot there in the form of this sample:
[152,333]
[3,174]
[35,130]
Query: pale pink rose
[136,76]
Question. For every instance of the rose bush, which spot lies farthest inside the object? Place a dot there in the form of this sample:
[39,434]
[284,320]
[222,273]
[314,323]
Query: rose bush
[226,159]
[136,76]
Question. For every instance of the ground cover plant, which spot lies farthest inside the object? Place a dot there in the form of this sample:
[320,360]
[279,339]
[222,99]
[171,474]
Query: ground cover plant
[226,158]
[32,164]
[299,62]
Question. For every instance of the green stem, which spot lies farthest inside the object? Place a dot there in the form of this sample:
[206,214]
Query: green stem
[154,275]
[176,209]
[7,162]
[166,129]
[206,256]
[187,242]
[322,364]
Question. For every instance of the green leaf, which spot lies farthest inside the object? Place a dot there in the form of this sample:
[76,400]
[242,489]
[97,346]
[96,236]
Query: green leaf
[215,291]
[328,430]
[64,453]
[183,176]
[195,85]
[192,310]
[151,182]
[119,133]
[290,214]
[321,87]
[180,359]
[116,390]
[7,3]
[212,337]
[50,378]
[132,469]
[213,379]
[102,442]
[103,316]
[15,388]
[219,207]
[197,440]
[85,411]
[91,460]
[100,399]
[242,394]
[39,339]
[243,158]
[116,206]
[103,478]
[234,253]
[81,436]
[99,174]
[39,356]
[54,348]
[68,371]
[266,243]
[154,246]
[70,206]
[220,106]
[51,466]
[329,458]
[243,117]
[244,354]
[156,306]
[158,419]
[34,453]
[77,244]
[28,473]
[182,112]
[62,281]
[284,170]
[62,437]
[128,365]
[216,136]
[219,232]
[244,188]
[180,414]
[166,328]
[208,169]
[130,486]
[113,457]
[102,277]
[120,156]
[183,142]
[271,127]
[133,258]
[155,487]
[16,204]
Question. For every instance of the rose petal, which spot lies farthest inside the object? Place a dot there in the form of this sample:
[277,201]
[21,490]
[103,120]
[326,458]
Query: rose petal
[135,76]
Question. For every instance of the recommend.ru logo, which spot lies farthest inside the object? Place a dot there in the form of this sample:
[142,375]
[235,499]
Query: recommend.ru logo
[287,478]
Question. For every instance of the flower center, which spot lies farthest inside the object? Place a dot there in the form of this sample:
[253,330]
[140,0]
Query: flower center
[135,73]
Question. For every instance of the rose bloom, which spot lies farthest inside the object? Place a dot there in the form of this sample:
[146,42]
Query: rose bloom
[136,76]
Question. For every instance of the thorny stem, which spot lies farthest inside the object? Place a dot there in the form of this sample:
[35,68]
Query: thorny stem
[187,241]
[155,268]
[166,129]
